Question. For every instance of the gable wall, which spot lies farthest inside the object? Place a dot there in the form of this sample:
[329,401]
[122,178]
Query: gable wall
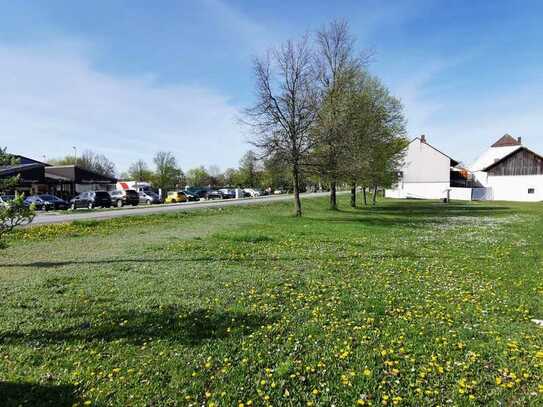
[424,164]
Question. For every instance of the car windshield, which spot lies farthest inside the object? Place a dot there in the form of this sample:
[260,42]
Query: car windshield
[7,197]
[101,194]
[131,193]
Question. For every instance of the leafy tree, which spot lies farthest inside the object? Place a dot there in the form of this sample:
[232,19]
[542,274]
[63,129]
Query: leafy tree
[248,172]
[91,161]
[16,213]
[376,137]
[167,173]
[338,70]
[139,171]
[231,177]
[198,177]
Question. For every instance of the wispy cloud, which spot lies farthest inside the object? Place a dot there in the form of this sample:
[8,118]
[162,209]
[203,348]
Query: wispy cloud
[465,125]
[52,99]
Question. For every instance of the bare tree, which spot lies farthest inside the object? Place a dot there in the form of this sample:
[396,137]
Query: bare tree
[91,161]
[286,107]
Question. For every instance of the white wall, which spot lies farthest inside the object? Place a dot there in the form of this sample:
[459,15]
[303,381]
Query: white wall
[425,164]
[426,173]
[419,190]
[460,194]
[515,188]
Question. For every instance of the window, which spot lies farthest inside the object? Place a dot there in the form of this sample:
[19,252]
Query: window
[531,190]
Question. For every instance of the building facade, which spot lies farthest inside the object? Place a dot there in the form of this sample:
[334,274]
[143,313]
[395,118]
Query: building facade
[427,173]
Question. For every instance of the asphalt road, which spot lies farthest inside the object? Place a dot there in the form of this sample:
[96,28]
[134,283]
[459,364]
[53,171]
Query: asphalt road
[59,217]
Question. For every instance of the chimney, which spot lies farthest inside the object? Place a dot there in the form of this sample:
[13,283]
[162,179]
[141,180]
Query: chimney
[423,138]
[519,139]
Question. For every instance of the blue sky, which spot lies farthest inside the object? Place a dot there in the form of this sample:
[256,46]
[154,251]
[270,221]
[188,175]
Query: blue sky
[129,78]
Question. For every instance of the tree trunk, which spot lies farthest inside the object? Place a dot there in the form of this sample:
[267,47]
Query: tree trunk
[296,188]
[333,196]
[365,196]
[374,201]
[353,195]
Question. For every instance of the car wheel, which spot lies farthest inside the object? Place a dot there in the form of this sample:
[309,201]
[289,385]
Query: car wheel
[173,201]
[90,205]
[119,204]
[73,206]
[149,202]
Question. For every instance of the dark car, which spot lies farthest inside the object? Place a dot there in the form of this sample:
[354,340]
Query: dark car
[91,200]
[54,201]
[149,197]
[122,197]
[6,199]
[213,194]
[197,192]
[227,193]
[46,202]
[190,197]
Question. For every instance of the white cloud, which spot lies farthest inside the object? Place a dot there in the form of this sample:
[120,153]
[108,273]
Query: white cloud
[52,99]
[462,124]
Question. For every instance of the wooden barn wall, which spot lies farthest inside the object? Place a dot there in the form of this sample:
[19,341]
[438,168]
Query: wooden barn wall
[522,163]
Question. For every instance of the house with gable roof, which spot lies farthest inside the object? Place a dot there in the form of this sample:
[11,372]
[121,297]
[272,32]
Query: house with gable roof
[429,173]
[510,171]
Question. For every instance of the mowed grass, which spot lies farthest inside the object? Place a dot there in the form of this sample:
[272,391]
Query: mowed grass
[408,303]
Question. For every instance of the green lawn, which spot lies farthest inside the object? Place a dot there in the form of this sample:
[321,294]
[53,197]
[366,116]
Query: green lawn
[408,303]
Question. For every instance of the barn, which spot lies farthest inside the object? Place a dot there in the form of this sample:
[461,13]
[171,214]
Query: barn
[510,171]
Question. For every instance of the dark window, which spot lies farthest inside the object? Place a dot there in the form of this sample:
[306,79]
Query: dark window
[531,190]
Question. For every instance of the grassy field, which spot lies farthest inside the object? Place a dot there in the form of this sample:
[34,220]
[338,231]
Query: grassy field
[408,303]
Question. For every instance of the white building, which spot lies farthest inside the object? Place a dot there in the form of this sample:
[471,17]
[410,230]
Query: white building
[428,173]
[510,171]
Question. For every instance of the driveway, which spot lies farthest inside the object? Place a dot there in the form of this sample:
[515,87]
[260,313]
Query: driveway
[50,218]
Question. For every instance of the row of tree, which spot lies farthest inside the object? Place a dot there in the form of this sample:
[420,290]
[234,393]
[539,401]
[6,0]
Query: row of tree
[251,172]
[320,113]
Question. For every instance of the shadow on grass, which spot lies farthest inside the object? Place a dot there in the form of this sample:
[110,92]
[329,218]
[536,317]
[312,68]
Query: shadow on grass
[411,215]
[33,394]
[172,323]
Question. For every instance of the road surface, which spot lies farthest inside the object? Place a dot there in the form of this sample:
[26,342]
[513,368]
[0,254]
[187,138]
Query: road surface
[59,217]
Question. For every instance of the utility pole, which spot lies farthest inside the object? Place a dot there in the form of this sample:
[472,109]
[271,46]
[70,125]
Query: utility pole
[75,154]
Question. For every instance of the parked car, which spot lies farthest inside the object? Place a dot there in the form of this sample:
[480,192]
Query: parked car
[149,197]
[46,202]
[54,202]
[122,197]
[6,199]
[200,193]
[175,197]
[191,197]
[252,192]
[91,200]
[227,193]
[214,194]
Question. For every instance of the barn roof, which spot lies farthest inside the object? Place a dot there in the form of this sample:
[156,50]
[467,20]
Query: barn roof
[520,148]
[505,146]
[507,141]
